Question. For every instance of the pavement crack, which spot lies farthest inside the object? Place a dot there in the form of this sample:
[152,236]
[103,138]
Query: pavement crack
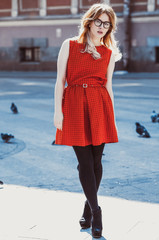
[33,227]
[133,226]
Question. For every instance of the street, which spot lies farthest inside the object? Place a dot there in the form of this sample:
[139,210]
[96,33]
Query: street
[41,197]
[131,167]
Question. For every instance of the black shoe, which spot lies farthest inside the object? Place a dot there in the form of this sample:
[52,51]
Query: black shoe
[97,223]
[85,220]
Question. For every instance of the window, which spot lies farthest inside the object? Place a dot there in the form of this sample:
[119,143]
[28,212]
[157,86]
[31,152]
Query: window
[30,54]
[157,54]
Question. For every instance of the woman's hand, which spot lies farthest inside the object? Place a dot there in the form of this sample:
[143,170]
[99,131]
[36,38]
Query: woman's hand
[116,127]
[58,120]
[60,83]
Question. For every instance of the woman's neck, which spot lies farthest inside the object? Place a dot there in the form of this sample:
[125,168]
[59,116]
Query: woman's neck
[95,41]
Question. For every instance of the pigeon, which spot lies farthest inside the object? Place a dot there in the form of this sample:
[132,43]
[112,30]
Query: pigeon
[142,130]
[154,116]
[6,137]
[14,108]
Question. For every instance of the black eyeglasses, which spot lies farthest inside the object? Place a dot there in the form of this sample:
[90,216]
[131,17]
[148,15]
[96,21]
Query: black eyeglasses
[99,23]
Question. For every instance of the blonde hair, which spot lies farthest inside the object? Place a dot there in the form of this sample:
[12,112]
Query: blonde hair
[108,40]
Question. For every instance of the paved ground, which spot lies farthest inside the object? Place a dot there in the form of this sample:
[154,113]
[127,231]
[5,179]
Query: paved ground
[130,185]
[35,214]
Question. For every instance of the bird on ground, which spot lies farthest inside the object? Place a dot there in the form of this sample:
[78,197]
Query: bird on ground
[142,131]
[154,116]
[6,137]
[14,108]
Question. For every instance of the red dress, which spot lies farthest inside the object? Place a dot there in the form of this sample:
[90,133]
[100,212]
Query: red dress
[87,106]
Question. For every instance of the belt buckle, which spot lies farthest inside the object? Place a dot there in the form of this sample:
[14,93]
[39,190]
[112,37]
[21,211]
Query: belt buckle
[85,85]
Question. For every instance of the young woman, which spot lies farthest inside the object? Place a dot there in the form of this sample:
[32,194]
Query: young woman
[84,110]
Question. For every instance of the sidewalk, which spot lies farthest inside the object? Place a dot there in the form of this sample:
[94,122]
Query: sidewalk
[29,213]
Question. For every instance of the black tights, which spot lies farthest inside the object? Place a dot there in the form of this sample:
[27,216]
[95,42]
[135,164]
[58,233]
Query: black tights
[90,171]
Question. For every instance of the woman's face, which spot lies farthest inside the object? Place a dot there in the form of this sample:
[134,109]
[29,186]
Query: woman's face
[100,26]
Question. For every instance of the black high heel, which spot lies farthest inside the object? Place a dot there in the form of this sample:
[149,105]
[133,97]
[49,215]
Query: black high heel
[85,221]
[97,223]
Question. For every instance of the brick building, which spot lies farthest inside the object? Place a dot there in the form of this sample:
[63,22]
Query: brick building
[31,32]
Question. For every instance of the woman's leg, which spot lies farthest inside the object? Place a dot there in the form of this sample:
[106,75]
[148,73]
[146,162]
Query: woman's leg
[86,174]
[97,156]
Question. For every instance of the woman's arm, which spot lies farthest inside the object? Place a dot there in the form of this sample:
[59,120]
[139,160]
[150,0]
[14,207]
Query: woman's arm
[60,83]
[109,76]
[108,85]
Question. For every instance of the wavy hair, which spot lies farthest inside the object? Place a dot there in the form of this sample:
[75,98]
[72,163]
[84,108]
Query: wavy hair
[108,40]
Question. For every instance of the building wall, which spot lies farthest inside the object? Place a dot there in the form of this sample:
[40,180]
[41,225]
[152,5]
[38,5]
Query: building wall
[5,8]
[143,45]
[42,25]
[30,34]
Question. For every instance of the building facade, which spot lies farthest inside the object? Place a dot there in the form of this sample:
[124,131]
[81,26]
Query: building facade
[32,31]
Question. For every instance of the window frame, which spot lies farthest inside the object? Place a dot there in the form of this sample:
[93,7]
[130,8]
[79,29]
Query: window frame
[157,54]
[34,58]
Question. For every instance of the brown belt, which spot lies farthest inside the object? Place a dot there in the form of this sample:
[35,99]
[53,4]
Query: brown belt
[85,85]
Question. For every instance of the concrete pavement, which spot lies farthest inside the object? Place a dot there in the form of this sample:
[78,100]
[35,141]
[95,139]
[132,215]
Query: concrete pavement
[29,213]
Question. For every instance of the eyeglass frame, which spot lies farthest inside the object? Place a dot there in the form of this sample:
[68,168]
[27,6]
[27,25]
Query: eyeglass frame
[101,22]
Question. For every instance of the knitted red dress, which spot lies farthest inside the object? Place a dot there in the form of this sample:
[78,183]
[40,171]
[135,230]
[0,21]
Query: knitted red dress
[87,107]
